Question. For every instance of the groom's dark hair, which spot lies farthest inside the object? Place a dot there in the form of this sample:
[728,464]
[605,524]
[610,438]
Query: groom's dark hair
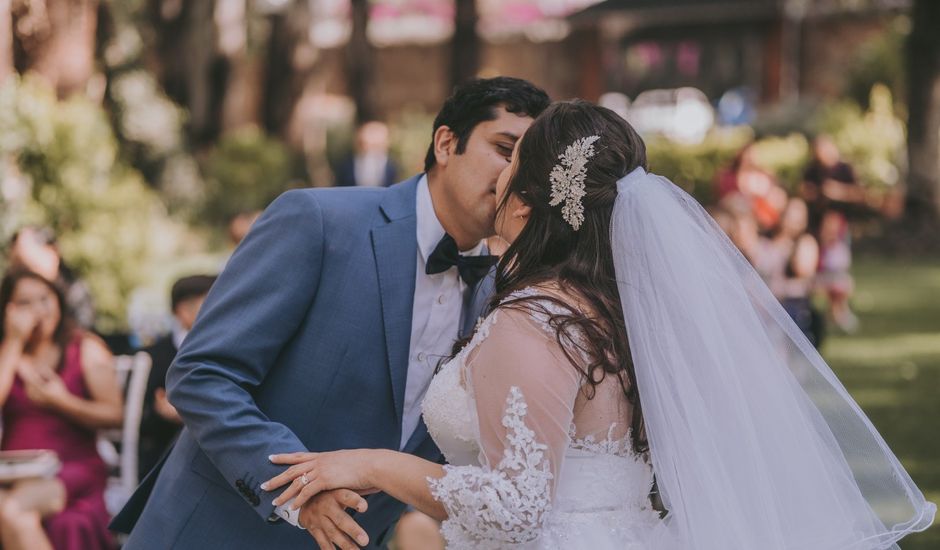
[476,101]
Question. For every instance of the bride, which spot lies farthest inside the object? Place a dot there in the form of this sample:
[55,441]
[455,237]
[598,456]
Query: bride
[635,385]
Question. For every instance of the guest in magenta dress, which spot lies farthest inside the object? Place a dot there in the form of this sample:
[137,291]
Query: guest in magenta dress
[57,387]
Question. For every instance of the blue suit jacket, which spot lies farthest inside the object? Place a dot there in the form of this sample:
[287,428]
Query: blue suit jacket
[302,344]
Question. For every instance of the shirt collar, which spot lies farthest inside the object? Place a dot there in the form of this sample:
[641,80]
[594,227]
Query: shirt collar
[430,230]
[178,334]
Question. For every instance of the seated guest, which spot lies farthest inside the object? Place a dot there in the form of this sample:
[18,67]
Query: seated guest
[57,387]
[788,262]
[34,249]
[746,179]
[160,423]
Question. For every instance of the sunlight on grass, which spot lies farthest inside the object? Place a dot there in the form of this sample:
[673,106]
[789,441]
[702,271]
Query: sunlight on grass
[892,367]
[891,351]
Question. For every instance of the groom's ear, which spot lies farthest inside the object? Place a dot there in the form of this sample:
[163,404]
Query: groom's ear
[445,144]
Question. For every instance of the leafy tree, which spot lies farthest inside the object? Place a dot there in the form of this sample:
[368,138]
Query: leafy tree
[65,156]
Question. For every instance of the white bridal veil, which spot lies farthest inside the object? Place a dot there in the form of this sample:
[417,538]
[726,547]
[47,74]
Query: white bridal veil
[755,443]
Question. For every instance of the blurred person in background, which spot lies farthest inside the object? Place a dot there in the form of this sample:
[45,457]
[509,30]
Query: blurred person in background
[736,218]
[830,184]
[787,261]
[834,196]
[160,423]
[744,177]
[34,248]
[57,387]
[369,165]
[835,261]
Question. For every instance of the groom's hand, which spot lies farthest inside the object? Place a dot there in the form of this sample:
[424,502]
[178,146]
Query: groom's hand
[324,517]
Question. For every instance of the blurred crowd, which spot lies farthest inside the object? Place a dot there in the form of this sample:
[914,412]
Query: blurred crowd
[800,243]
[60,391]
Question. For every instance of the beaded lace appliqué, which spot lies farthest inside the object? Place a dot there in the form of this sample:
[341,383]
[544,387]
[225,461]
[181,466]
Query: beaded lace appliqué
[488,508]
[622,447]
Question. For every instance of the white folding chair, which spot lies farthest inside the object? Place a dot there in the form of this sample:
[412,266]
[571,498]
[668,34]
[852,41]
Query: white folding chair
[132,372]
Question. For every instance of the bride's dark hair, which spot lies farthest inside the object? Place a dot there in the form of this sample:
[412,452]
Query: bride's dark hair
[549,251]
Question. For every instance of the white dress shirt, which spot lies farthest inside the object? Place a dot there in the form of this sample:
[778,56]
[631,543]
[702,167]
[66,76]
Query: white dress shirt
[178,334]
[369,169]
[435,321]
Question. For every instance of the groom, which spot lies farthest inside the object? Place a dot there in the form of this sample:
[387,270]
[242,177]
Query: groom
[324,330]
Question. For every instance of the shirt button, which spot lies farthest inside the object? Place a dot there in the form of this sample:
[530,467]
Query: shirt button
[421,356]
[441,299]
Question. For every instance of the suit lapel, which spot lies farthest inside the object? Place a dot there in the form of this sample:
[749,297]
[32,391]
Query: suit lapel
[417,437]
[395,246]
[475,303]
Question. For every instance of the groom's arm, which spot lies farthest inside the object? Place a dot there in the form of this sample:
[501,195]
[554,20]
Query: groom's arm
[253,309]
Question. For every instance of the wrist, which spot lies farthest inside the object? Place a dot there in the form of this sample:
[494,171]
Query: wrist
[378,459]
[63,403]
[12,346]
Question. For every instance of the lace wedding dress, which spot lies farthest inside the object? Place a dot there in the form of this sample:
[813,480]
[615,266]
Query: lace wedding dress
[532,462]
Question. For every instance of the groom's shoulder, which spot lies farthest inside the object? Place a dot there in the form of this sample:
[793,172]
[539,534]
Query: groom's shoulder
[348,201]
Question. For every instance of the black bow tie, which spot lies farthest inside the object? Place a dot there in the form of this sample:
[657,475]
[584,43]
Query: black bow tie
[446,255]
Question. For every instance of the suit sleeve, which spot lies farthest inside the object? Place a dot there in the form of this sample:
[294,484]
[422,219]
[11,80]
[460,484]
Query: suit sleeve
[252,311]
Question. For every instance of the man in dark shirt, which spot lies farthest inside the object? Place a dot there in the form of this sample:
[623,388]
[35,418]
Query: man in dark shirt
[829,183]
[160,424]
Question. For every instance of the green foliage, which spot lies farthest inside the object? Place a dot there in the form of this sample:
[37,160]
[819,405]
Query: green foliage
[785,157]
[411,135]
[873,141]
[150,127]
[694,167]
[65,155]
[880,61]
[246,171]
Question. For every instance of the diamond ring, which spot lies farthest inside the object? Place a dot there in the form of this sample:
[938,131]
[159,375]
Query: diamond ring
[304,480]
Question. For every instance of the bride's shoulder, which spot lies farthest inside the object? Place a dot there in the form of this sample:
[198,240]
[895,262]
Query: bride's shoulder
[546,298]
[543,306]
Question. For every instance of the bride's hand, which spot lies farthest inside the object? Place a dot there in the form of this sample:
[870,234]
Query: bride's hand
[311,473]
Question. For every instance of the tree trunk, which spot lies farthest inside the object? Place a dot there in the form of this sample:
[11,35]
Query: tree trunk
[286,66]
[6,40]
[192,73]
[359,63]
[56,39]
[465,56]
[923,126]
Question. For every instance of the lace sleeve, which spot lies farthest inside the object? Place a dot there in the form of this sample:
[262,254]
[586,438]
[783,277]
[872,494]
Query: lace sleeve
[524,391]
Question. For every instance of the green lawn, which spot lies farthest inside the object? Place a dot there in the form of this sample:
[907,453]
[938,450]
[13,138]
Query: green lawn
[892,366]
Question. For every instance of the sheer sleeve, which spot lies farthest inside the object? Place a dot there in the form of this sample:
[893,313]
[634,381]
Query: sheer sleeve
[524,390]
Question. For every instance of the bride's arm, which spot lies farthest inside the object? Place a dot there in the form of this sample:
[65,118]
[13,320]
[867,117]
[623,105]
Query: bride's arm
[405,477]
[524,391]
[401,475]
